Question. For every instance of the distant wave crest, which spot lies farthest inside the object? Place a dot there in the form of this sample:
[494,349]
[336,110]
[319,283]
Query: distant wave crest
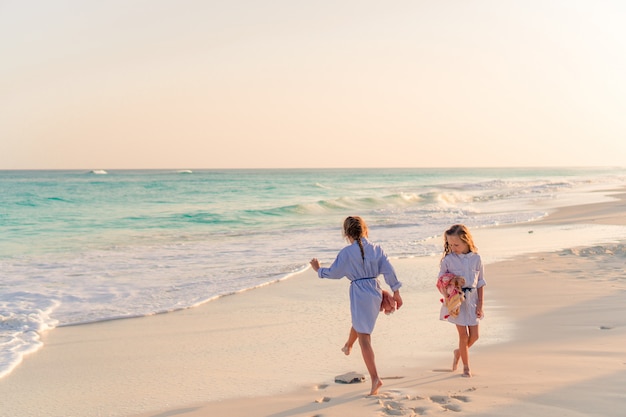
[342,204]
[98,172]
[445,198]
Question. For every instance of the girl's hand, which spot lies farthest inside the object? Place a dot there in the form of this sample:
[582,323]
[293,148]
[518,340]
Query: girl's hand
[388,304]
[479,312]
[315,264]
[397,299]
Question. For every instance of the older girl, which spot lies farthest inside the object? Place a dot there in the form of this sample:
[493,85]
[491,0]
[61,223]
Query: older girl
[362,262]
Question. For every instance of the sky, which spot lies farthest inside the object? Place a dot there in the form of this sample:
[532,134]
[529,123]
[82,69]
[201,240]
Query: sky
[139,84]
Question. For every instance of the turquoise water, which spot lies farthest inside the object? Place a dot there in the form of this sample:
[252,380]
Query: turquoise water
[82,246]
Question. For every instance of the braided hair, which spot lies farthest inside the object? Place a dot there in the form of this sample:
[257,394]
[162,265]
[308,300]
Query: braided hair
[354,227]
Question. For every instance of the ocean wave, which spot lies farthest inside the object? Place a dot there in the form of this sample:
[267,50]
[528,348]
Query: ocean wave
[204,217]
[23,318]
[341,204]
[59,199]
[98,172]
[429,201]
[446,198]
[28,203]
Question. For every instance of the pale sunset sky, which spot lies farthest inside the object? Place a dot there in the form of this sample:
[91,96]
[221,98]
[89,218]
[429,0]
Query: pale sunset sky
[291,83]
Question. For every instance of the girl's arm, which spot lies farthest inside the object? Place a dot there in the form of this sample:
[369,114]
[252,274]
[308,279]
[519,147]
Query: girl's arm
[389,273]
[479,303]
[338,269]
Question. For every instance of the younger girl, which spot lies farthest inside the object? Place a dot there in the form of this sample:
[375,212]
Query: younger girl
[460,258]
[362,262]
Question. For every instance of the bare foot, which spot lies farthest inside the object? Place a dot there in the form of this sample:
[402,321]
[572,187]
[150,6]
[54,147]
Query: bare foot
[376,384]
[466,372]
[455,361]
[346,349]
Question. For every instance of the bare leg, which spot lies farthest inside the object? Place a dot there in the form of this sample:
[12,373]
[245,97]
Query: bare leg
[347,348]
[468,335]
[463,348]
[473,335]
[455,360]
[365,342]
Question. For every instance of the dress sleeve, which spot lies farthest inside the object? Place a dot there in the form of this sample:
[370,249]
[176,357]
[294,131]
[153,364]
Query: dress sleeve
[338,269]
[481,272]
[388,271]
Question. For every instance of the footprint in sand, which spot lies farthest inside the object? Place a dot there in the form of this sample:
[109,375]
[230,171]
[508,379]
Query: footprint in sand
[393,404]
[420,411]
[463,398]
[396,403]
[321,386]
[394,408]
[449,403]
[393,412]
[323,400]
[452,407]
[439,399]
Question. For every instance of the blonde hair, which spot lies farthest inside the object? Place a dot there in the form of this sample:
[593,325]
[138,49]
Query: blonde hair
[355,227]
[463,233]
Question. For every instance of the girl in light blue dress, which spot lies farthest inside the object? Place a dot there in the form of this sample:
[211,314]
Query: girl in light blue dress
[362,262]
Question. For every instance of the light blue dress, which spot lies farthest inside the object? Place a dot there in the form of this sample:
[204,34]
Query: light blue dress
[469,266]
[365,291]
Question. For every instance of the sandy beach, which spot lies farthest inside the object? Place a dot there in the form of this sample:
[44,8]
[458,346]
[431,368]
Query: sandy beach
[170,169]
[552,342]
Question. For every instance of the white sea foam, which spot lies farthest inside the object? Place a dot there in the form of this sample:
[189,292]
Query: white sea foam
[23,318]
